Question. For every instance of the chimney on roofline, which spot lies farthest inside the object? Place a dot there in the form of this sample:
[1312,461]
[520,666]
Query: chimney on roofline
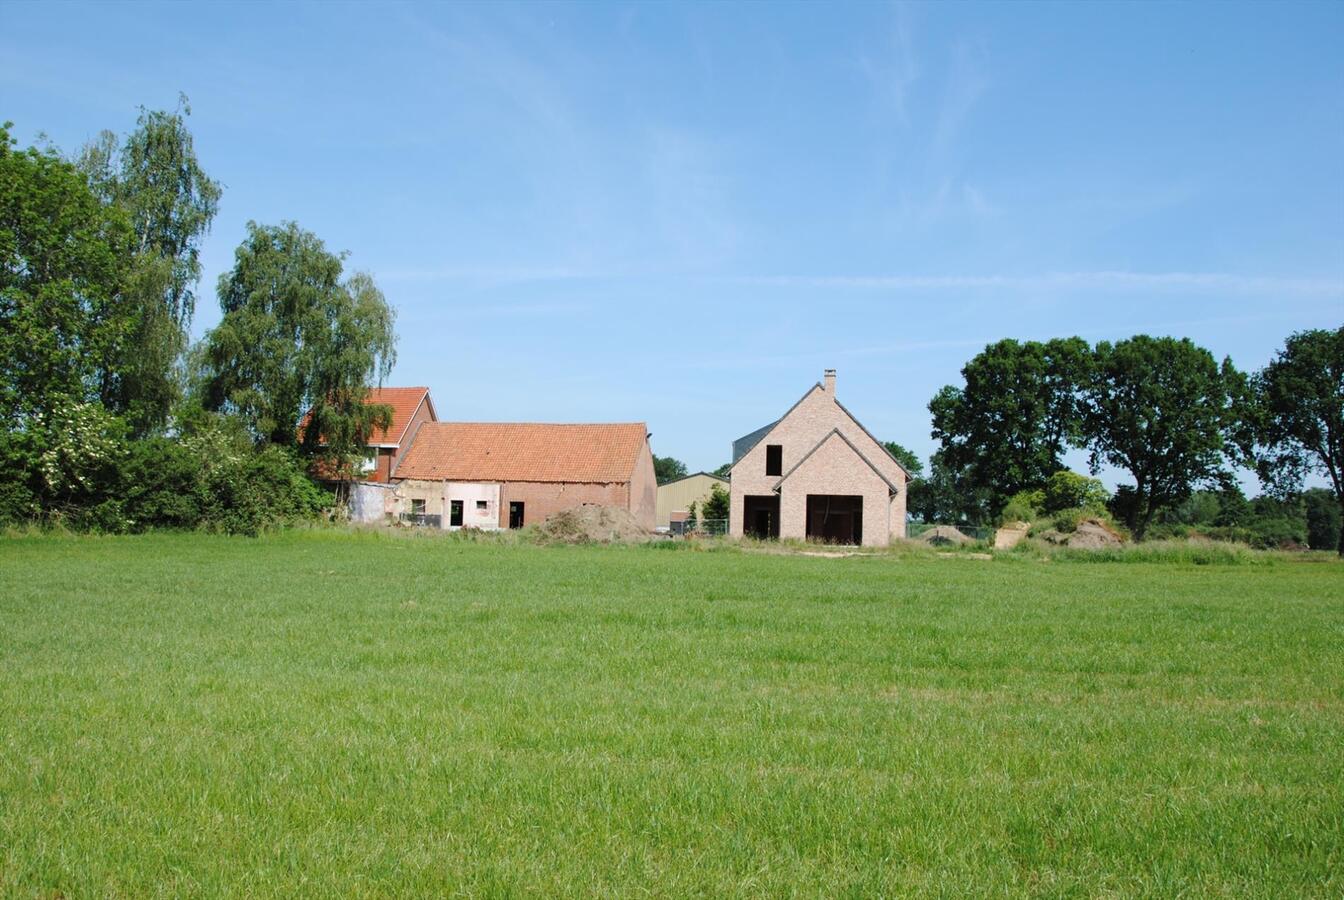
[828,381]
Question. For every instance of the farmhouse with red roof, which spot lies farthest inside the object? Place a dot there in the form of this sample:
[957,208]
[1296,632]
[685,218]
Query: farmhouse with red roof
[508,474]
[411,408]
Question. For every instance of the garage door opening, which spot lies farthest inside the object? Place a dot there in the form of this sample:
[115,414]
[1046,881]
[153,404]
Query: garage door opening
[835,518]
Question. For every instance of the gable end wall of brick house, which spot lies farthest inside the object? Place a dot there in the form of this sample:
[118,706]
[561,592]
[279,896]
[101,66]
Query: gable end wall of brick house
[799,433]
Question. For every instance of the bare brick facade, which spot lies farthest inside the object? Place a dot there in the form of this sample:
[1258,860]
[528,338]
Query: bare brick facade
[828,480]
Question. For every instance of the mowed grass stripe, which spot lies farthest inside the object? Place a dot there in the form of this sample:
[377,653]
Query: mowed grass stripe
[336,713]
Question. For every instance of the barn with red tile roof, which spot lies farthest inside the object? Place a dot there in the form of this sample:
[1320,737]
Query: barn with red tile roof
[508,474]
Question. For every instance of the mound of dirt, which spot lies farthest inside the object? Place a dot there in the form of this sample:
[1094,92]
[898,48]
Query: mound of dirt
[1010,535]
[1093,534]
[589,524]
[944,534]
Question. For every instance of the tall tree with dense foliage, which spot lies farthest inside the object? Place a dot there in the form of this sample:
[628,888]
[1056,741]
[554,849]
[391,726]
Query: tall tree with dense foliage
[65,324]
[1160,409]
[1007,429]
[667,468]
[1298,413]
[156,179]
[297,337]
[1324,518]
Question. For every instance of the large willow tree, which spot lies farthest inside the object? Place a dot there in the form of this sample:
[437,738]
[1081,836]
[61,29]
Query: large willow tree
[298,337]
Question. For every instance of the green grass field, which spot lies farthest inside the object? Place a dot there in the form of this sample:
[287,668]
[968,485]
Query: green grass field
[325,713]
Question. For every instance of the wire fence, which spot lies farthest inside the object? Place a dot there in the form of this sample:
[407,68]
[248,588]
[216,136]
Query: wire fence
[703,528]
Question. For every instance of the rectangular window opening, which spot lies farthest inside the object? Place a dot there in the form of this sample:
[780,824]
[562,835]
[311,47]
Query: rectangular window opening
[480,505]
[774,459]
[418,507]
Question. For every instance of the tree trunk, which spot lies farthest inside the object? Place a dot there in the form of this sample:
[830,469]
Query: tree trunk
[1142,513]
[1141,527]
[1341,524]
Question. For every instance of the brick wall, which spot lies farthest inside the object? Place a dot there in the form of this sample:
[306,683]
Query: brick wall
[421,416]
[835,469]
[542,499]
[644,490]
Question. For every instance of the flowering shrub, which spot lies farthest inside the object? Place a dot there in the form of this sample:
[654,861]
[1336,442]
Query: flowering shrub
[77,469]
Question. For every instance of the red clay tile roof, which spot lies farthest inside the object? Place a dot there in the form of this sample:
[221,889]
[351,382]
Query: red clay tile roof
[404,402]
[527,451]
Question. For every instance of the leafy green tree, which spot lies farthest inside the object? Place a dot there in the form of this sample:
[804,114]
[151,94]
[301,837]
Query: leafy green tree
[1066,490]
[692,519]
[1233,508]
[723,470]
[65,325]
[156,180]
[666,468]
[1297,414]
[716,505]
[907,458]
[297,337]
[1007,429]
[1159,408]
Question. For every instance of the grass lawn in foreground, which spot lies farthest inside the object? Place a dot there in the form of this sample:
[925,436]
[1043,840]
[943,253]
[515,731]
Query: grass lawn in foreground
[328,713]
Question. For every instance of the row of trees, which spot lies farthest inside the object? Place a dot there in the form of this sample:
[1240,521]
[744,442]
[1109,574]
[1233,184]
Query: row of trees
[1163,410]
[109,417]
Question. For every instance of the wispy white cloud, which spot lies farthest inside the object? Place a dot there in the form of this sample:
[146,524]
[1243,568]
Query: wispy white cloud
[1078,281]
[459,312]
[739,361]
[967,81]
[894,70]
[486,276]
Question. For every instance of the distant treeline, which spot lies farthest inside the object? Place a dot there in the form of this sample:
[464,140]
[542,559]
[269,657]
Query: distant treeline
[1160,409]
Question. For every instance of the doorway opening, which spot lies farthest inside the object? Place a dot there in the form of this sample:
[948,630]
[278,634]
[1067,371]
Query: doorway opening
[515,514]
[760,516]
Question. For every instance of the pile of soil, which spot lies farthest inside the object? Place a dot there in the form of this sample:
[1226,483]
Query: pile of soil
[1093,534]
[1010,535]
[589,524]
[944,534]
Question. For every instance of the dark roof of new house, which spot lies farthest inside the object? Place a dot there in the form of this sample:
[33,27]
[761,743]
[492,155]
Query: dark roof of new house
[747,441]
[524,451]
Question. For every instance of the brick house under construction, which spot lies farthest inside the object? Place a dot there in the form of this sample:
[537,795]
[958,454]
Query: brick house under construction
[817,474]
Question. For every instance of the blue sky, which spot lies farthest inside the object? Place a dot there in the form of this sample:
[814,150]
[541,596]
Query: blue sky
[682,213]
